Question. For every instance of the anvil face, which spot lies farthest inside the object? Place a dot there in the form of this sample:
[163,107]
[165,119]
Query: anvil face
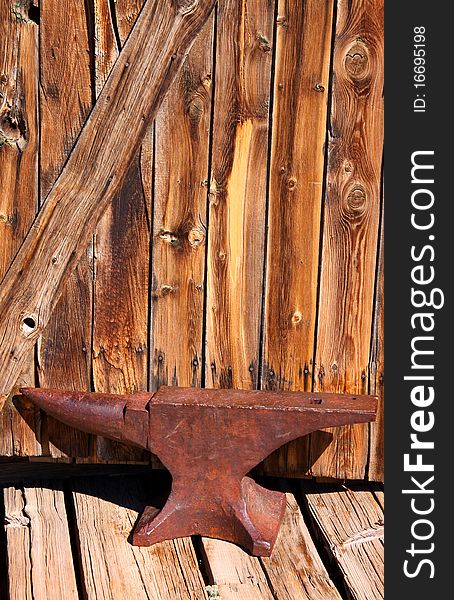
[209,440]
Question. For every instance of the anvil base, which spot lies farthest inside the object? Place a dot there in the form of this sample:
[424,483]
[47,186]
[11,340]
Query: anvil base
[246,514]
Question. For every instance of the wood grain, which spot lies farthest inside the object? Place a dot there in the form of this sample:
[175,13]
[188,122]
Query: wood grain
[19,189]
[64,349]
[122,240]
[111,567]
[235,574]
[93,174]
[40,564]
[350,232]
[238,192]
[179,230]
[351,525]
[376,371]
[303,47]
[227,157]
[295,569]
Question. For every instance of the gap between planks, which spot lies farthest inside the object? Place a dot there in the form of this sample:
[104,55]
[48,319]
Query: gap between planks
[349,522]
[294,570]
[105,511]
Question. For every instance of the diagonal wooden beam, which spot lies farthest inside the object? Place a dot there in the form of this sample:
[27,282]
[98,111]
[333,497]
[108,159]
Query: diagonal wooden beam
[136,86]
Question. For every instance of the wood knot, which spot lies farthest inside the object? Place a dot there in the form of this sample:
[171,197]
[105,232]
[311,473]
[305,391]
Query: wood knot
[8,219]
[187,6]
[195,109]
[166,290]
[196,237]
[13,129]
[282,21]
[263,43]
[297,317]
[357,62]
[291,183]
[356,202]
[170,237]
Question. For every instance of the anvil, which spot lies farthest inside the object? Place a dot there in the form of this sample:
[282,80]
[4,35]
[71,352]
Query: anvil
[209,440]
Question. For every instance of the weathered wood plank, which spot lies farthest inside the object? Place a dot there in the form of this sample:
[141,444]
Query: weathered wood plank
[93,174]
[351,524]
[19,183]
[238,192]
[376,371]
[111,567]
[235,574]
[179,233]
[40,564]
[295,569]
[350,232]
[303,47]
[122,240]
[64,349]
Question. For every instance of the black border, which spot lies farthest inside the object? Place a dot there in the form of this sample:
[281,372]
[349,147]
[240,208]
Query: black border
[406,132]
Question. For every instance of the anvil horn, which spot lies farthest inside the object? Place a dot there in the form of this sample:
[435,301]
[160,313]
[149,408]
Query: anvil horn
[209,440]
[121,418]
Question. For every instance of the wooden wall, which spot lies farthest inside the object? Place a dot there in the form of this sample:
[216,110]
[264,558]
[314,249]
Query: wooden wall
[245,248]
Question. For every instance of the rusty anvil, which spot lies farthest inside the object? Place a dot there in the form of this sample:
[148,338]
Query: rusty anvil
[209,440]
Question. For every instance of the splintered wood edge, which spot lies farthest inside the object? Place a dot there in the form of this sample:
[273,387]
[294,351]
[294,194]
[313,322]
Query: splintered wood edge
[40,563]
[294,569]
[350,523]
[111,567]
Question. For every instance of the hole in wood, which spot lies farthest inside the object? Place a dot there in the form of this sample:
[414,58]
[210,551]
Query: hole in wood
[33,13]
[315,401]
[28,325]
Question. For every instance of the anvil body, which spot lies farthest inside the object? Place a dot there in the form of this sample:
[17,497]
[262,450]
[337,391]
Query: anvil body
[209,440]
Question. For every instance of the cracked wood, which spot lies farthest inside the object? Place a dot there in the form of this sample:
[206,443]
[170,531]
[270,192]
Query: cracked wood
[93,174]
[40,563]
[121,250]
[303,47]
[350,524]
[19,195]
[179,232]
[350,230]
[238,192]
[64,348]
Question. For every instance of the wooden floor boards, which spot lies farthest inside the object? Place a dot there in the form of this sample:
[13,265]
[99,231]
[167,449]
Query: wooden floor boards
[68,538]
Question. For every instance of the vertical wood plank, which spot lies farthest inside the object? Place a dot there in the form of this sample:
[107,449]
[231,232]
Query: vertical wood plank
[303,47]
[238,192]
[111,567]
[64,349]
[40,564]
[376,371]
[350,233]
[120,319]
[179,232]
[19,185]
